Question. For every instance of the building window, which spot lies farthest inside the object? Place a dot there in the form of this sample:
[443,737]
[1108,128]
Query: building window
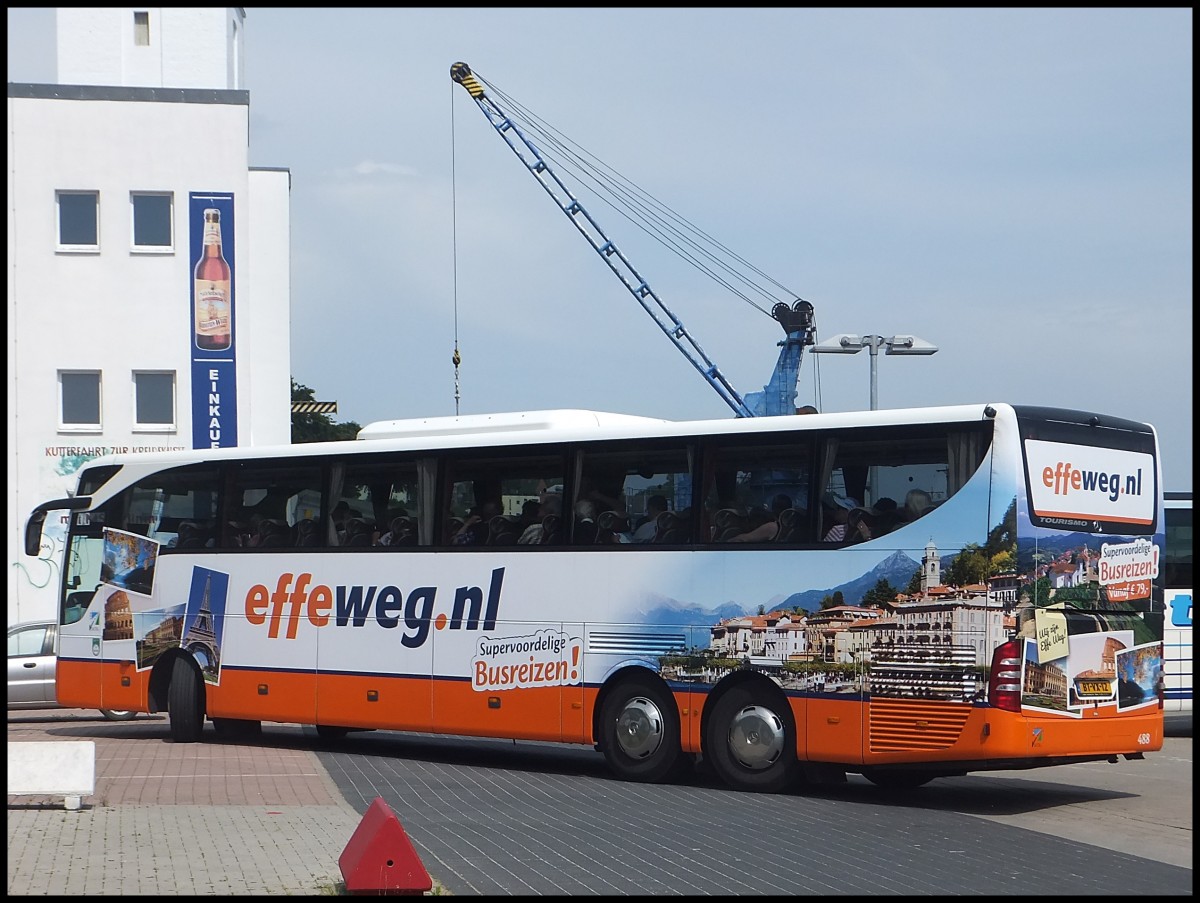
[79,394]
[154,400]
[152,221]
[141,29]
[78,220]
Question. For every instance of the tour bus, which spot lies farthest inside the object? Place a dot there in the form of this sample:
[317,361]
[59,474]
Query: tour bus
[1177,631]
[899,594]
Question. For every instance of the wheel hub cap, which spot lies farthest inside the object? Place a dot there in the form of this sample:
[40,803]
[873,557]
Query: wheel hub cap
[639,728]
[756,737]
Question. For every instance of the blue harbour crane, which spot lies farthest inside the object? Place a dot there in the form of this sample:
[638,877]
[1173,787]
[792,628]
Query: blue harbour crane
[796,318]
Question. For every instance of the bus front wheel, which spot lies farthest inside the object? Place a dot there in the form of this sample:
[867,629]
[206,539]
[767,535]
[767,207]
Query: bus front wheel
[751,742]
[185,702]
[639,732]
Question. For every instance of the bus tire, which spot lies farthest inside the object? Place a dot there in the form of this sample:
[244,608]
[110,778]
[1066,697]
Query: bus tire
[751,740]
[185,702]
[237,728]
[897,779]
[639,732]
[331,732]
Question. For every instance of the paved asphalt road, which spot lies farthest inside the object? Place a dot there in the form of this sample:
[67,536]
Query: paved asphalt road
[490,817]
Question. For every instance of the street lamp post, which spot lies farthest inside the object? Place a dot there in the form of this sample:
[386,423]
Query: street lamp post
[847,343]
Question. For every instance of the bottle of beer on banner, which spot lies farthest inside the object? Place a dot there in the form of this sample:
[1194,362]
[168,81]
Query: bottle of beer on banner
[212,289]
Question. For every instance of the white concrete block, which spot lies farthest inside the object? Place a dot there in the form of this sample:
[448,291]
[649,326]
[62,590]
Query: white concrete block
[64,768]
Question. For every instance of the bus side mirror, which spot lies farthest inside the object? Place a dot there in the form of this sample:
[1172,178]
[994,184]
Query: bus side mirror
[33,526]
[33,533]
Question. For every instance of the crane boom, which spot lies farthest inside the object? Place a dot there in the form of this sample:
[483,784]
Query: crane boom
[777,397]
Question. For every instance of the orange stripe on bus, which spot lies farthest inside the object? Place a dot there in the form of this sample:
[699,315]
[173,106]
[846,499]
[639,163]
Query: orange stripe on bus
[828,730]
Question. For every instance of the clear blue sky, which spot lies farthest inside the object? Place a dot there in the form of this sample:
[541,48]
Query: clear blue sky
[1013,185]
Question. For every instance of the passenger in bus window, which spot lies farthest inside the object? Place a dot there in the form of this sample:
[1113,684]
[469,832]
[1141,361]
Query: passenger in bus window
[255,535]
[766,531]
[475,527]
[529,515]
[889,516]
[273,533]
[917,503]
[341,511]
[237,531]
[398,530]
[589,489]
[550,506]
[837,509]
[862,524]
[655,505]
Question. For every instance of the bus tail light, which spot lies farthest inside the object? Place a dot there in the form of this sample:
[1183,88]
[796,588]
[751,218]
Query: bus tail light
[1004,684]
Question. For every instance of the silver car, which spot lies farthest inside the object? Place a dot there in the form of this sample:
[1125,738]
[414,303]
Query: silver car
[32,658]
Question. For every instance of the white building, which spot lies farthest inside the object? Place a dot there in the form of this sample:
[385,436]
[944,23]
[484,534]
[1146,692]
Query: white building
[111,170]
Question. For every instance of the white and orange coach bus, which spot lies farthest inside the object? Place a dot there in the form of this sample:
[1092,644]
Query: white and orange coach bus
[902,594]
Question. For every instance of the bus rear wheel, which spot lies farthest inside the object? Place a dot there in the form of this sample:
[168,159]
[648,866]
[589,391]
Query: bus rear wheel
[751,740]
[185,702]
[639,732]
[332,732]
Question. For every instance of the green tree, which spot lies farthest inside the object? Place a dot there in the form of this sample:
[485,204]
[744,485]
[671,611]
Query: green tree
[317,427]
[1002,539]
[834,600]
[914,583]
[968,566]
[1038,592]
[881,595]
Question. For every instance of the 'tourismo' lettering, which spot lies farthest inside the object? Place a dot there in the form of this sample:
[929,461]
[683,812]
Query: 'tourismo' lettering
[353,605]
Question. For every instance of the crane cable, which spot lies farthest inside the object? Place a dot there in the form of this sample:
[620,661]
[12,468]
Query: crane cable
[642,209]
[456,359]
[653,217]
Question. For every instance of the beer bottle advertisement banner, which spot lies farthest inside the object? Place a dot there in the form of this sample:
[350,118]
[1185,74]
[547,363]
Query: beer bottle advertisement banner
[212,328]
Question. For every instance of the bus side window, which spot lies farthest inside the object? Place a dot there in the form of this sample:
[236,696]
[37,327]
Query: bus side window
[896,476]
[758,492]
[629,489]
[266,501]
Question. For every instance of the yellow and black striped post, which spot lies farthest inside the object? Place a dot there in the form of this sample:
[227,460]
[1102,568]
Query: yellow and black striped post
[314,407]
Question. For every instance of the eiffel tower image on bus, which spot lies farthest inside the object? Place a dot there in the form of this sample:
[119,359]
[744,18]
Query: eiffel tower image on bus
[200,637]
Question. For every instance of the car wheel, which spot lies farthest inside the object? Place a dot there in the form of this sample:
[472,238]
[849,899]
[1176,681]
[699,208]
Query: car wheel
[118,715]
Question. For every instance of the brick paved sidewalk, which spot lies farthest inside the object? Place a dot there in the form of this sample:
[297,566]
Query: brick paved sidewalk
[169,818]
